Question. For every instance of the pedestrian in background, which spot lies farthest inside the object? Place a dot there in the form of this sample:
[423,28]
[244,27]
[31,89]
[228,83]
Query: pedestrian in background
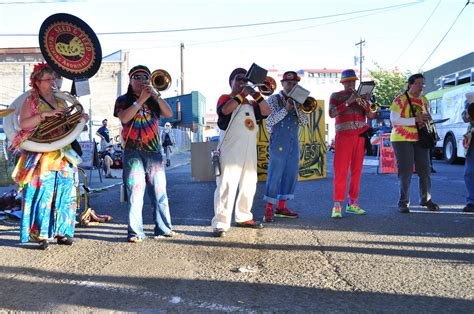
[404,138]
[103,133]
[238,154]
[284,148]
[351,112]
[139,111]
[167,140]
[468,143]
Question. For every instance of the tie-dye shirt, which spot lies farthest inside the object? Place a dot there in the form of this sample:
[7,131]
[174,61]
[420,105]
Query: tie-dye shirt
[144,133]
[401,105]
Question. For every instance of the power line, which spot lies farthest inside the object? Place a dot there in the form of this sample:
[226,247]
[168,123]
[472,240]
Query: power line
[455,20]
[233,26]
[417,34]
[281,32]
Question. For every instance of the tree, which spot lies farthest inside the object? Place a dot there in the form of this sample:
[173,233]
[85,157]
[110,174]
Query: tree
[389,84]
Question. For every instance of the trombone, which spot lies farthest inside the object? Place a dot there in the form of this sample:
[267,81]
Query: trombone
[309,105]
[266,88]
[160,81]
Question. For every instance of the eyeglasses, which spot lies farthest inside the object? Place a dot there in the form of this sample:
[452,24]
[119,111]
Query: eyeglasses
[140,77]
[240,78]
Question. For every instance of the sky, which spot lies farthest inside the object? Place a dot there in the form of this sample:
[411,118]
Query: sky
[275,34]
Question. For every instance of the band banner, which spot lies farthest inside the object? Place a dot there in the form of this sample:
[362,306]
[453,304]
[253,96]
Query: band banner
[70,46]
[312,147]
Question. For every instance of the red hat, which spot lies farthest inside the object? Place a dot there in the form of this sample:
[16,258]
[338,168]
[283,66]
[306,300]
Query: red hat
[290,76]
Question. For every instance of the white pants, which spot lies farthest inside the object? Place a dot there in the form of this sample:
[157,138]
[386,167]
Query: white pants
[238,172]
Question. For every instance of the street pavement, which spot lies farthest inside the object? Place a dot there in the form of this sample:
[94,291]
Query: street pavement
[381,262]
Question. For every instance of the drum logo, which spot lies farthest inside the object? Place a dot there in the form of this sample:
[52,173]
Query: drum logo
[69,47]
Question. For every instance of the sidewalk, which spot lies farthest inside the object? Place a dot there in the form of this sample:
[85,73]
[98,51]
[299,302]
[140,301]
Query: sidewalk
[95,185]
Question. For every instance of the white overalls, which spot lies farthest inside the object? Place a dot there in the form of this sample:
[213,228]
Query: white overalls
[238,169]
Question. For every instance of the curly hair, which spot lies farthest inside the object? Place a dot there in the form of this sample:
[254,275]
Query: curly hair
[39,71]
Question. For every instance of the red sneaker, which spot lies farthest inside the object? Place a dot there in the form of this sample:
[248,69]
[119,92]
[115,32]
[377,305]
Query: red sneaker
[285,213]
[268,215]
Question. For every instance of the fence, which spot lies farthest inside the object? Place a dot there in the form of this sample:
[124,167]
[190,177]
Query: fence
[183,137]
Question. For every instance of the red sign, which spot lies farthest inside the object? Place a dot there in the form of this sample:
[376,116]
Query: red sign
[387,161]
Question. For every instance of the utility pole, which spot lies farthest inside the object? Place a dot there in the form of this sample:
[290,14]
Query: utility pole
[361,58]
[182,69]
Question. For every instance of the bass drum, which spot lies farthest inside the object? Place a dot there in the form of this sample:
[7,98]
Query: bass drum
[11,127]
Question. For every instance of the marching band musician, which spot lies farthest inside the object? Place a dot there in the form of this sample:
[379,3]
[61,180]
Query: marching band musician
[284,149]
[139,111]
[404,138]
[350,111]
[238,154]
[47,179]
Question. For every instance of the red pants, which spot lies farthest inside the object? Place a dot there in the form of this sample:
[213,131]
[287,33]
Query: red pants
[349,153]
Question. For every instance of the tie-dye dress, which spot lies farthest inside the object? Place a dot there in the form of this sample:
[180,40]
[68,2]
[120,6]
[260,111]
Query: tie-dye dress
[49,193]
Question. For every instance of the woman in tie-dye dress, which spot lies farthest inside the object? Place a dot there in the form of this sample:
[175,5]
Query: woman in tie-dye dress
[47,180]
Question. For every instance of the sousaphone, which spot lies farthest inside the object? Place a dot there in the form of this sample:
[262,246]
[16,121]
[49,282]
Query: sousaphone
[71,124]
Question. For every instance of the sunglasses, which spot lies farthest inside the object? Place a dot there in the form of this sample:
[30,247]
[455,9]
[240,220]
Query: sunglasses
[139,77]
[240,78]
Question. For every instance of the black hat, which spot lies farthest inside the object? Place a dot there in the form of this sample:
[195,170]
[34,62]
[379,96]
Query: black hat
[139,68]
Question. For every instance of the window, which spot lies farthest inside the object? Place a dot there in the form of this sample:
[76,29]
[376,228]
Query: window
[435,106]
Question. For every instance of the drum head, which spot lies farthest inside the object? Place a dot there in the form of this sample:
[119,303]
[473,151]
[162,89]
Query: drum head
[70,46]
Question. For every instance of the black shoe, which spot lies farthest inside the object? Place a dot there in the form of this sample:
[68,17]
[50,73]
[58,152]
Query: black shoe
[404,209]
[250,224]
[469,208]
[168,163]
[432,170]
[43,245]
[218,233]
[65,240]
[431,206]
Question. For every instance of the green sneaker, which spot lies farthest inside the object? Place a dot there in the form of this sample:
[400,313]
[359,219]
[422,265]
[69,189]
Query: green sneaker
[336,212]
[355,209]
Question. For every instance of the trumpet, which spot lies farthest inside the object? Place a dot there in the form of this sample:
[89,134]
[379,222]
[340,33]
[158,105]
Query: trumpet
[374,107]
[361,101]
[266,88]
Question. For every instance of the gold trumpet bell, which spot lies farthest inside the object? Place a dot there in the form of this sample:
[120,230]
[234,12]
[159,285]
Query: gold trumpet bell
[310,105]
[160,79]
[268,87]
[374,107]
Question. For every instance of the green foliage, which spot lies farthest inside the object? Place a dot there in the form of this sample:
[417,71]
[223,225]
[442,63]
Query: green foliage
[390,83]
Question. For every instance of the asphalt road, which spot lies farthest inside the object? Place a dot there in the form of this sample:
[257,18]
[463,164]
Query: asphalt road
[381,262]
